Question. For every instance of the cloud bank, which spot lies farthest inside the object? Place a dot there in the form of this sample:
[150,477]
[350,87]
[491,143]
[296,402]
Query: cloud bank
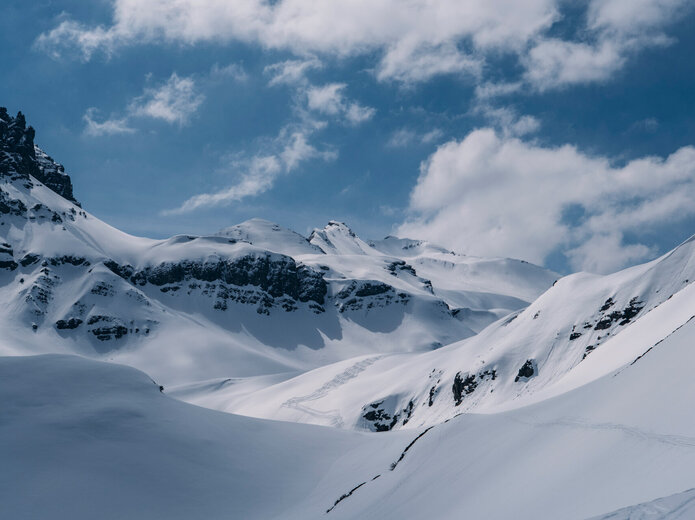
[413,40]
[496,194]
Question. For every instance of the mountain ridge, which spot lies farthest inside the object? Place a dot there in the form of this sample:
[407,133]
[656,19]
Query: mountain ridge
[260,297]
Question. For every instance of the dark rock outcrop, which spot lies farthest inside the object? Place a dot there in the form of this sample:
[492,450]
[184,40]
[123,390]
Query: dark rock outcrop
[463,386]
[527,371]
[278,276]
[21,159]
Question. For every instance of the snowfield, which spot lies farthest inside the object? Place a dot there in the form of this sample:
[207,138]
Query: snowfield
[80,438]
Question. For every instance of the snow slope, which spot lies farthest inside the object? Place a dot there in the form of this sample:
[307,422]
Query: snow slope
[79,438]
[624,439]
[677,506]
[580,329]
[82,439]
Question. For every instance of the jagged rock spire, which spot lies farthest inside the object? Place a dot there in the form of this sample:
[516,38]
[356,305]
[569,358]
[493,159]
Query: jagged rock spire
[22,158]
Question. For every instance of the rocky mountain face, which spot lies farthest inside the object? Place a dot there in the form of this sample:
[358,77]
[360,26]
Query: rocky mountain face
[22,159]
[270,299]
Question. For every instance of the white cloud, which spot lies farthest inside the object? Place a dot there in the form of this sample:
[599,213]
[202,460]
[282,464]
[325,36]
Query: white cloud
[405,137]
[649,125]
[232,71]
[414,62]
[70,34]
[507,120]
[634,18]
[257,173]
[412,41]
[606,252]
[615,30]
[492,194]
[432,136]
[112,126]
[356,113]
[291,72]
[556,63]
[402,138]
[330,100]
[174,101]
[487,90]
[327,99]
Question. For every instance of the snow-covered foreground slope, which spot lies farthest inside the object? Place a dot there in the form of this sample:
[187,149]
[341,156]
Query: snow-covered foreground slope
[625,439]
[679,506]
[582,328]
[80,438]
[253,299]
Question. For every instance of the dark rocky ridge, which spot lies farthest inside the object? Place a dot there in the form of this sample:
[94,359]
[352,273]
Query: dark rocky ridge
[277,276]
[21,158]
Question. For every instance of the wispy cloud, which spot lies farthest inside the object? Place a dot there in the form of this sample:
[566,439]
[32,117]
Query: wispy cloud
[404,137]
[291,72]
[257,173]
[234,71]
[174,101]
[112,126]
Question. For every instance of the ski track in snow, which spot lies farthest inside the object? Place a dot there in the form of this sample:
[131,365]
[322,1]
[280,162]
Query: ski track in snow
[680,441]
[338,381]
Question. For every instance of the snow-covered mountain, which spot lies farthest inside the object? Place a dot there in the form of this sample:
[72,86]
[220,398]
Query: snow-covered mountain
[580,329]
[505,393]
[252,299]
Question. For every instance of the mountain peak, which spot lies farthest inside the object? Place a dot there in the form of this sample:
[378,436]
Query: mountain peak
[397,246]
[338,238]
[22,159]
[271,236]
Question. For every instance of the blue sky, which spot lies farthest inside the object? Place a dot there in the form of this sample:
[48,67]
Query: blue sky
[546,130]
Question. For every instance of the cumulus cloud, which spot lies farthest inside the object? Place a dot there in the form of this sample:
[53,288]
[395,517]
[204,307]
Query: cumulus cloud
[330,100]
[257,173]
[412,41]
[496,194]
[615,30]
